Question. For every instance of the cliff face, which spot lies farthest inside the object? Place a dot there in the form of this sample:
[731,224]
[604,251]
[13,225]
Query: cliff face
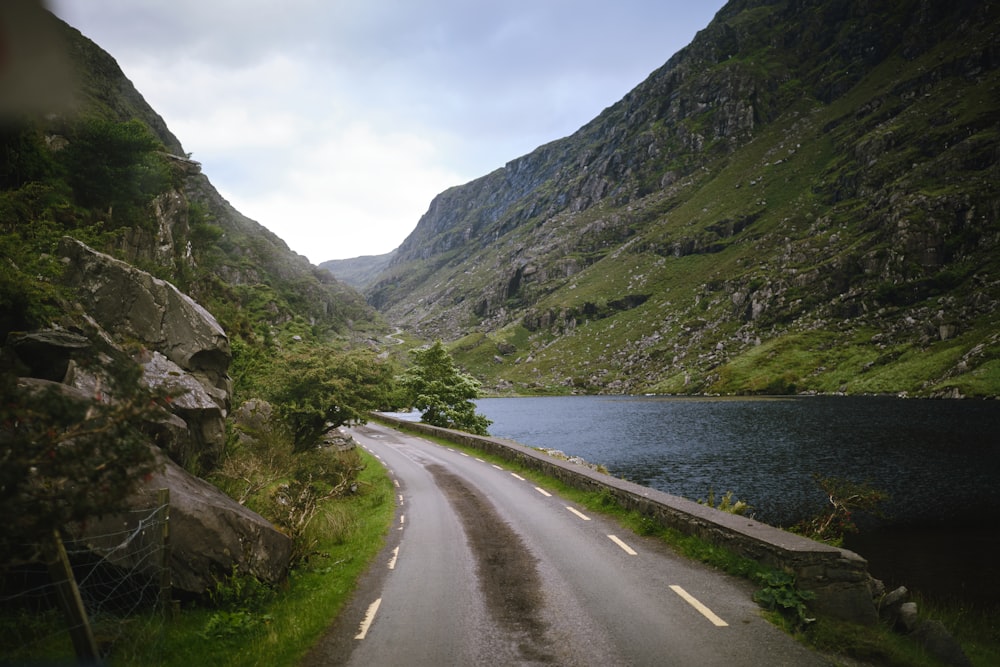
[804,198]
[105,170]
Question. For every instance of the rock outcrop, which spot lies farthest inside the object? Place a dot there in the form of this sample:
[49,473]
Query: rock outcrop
[123,312]
[182,345]
[211,535]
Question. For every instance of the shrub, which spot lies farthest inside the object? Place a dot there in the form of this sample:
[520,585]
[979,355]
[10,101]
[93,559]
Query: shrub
[845,499]
[780,594]
[727,504]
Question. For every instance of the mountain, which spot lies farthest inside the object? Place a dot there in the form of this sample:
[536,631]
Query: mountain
[119,260]
[805,198]
[104,168]
[358,272]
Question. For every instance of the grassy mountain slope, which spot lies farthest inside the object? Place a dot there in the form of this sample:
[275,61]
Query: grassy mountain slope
[108,171]
[804,198]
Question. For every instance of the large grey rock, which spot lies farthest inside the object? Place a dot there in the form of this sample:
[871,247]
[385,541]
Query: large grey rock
[46,354]
[185,348]
[195,401]
[133,304]
[211,535]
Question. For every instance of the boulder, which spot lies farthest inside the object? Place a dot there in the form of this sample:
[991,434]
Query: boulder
[908,616]
[133,305]
[196,402]
[251,419]
[340,439]
[47,353]
[211,535]
[936,639]
[183,350]
[890,604]
[184,346]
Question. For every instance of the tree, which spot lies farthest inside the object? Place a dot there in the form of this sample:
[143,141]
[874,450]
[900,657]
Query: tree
[115,166]
[442,393]
[68,456]
[315,389]
[845,499]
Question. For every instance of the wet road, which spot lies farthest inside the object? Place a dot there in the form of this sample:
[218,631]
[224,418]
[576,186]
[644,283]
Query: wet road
[483,567]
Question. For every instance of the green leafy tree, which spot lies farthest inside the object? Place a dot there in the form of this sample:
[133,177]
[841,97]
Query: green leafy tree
[315,389]
[23,156]
[115,166]
[67,457]
[442,393]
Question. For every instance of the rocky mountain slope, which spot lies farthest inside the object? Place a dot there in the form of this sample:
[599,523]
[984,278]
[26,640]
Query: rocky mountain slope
[200,242]
[803,199]
[119,261]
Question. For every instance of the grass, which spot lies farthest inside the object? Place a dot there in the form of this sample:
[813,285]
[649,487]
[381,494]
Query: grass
[977,630]
[251,624]
[353,532]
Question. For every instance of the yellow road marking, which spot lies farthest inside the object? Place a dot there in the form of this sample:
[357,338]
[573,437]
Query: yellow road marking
[626,548]
[705,611]
[579,513]
[543,492]
[369,617]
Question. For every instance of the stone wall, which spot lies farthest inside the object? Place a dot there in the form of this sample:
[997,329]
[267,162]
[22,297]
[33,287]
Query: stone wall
[838,577]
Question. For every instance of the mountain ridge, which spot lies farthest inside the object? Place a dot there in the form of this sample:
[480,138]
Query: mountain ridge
[99,164]
[819,175]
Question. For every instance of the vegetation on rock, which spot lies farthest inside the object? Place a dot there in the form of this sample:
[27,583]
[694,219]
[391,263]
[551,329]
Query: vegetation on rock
[68,456]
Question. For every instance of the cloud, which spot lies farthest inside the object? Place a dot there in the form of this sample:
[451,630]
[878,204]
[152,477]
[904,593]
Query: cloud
[334,124]
[366,180]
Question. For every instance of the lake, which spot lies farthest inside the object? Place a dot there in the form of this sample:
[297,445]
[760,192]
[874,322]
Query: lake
[938,460]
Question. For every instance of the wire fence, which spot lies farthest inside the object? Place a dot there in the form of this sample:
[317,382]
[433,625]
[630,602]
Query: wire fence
[97,590]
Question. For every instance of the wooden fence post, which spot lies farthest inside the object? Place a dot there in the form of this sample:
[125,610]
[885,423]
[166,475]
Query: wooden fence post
[163,503]
[69,599]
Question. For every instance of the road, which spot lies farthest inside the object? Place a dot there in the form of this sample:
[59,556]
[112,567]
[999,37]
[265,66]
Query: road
[483,567]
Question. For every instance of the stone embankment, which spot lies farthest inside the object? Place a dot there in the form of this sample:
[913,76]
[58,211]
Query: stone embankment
[838,577]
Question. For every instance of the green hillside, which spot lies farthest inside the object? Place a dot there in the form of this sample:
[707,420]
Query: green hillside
[106,170]
[803,199]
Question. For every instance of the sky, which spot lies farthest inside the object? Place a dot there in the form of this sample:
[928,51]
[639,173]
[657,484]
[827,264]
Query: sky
[334,123]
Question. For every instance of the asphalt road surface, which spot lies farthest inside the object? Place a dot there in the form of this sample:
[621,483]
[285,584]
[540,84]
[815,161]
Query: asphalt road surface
[483,567]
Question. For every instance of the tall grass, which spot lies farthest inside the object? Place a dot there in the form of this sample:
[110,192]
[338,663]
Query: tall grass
[280,627]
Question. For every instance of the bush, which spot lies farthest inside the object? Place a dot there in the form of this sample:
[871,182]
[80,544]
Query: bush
[441,392]
[727,504]
[317,388]
[845,499]
[780,594]
[115,167]
[263,471]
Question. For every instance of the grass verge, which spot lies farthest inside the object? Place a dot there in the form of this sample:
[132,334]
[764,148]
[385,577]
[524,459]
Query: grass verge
[278,627]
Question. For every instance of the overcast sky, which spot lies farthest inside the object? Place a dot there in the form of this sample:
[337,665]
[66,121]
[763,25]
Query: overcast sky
[335,122]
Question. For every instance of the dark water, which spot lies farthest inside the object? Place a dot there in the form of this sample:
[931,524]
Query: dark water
[938,460]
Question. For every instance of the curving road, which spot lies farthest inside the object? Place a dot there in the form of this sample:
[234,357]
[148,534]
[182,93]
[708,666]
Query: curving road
[484,568]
